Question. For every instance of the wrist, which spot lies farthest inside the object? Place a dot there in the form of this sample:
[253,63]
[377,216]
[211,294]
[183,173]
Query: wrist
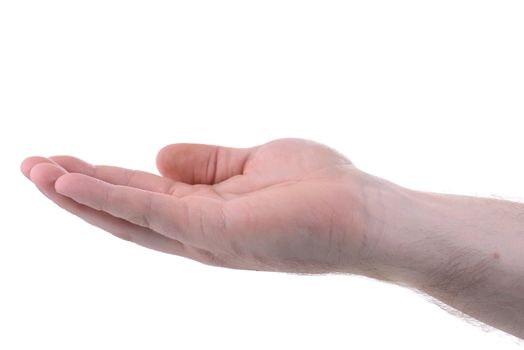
[411,234]
[393,219]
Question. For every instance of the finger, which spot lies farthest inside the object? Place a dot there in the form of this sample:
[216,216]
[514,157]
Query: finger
[44,174]
[29,163]
[202,164]
[188,221]
[122,176]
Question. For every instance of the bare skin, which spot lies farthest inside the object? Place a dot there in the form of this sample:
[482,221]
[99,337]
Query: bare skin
[294,205]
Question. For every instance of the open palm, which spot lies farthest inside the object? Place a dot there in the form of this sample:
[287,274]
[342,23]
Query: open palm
[287,205]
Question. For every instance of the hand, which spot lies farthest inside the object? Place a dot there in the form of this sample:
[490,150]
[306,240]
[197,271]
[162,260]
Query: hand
[288,205]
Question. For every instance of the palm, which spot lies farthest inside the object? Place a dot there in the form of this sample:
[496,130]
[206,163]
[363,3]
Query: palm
[277,206]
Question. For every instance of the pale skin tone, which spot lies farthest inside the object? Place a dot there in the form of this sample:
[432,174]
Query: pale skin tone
[294,205]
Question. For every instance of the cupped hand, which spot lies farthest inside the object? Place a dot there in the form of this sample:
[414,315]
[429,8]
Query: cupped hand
[288,205]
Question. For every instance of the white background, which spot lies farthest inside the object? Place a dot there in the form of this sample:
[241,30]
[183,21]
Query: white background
[426,94]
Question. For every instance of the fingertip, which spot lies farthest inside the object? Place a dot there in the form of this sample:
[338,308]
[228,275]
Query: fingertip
[71,184]
[180,161]
[62,183]
[44,175]
[28,164]
[162,159]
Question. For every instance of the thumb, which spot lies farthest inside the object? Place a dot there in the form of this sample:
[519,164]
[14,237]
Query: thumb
[200,163]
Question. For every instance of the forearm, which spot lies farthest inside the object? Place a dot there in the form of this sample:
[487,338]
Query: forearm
[468,252]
